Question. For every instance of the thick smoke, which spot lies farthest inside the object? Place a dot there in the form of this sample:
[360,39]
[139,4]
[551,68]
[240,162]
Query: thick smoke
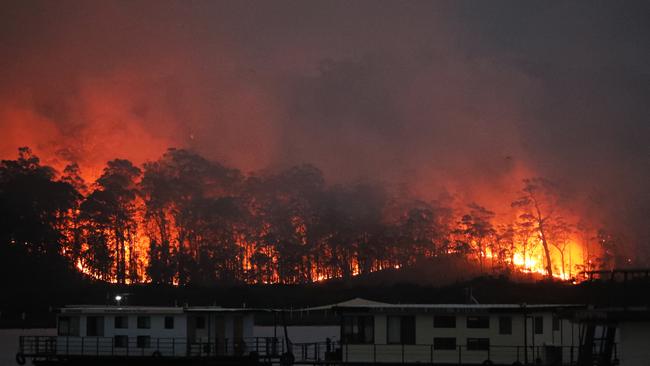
[460,97]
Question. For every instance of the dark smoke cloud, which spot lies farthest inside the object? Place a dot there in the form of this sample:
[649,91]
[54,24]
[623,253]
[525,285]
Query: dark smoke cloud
[465,97]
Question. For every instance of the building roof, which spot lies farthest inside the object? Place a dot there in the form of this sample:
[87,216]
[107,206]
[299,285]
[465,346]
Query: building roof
[108,309]
[453,307]
[357,301]
[217,309]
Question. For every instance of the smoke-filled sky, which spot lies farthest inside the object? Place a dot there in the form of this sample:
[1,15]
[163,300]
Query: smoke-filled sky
[463,96]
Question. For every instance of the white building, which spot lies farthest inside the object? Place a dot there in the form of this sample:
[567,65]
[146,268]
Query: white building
[457,333]
[115,331]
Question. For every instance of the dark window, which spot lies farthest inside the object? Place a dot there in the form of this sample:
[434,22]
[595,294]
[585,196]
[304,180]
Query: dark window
[68,326]
[556,323]
[358,329]
[144,322]
[505,325]
[200,322]
[444,343]
[169,322]
[444,321]
[539,325]
[121,341]
[478,322]
[401,329]
[478,344]
[121,322]
[144,342]
[95,326]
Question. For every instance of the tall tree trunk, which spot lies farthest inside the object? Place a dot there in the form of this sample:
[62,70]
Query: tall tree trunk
[540,223]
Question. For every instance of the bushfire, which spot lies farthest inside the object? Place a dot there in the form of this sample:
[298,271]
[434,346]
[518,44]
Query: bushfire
[183,219]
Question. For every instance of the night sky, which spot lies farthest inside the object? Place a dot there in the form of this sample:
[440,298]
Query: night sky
[463,97]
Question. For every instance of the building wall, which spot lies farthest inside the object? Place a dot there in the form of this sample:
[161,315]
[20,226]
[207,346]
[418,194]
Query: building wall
[167,341]
[504,348]
[634,343]
[301,333]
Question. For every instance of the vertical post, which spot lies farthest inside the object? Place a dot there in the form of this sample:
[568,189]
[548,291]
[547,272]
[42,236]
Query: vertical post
[402,352]
[525,335]
[431,354]
[533,336]
[97,346]
[517,353]
[374,352]
[82,345]
[460,361]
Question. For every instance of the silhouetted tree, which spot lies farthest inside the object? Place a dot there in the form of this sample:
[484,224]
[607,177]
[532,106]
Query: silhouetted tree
[540,201]
[34,207]
[109,215]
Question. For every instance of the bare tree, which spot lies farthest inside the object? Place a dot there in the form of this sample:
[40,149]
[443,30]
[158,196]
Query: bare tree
[540,201]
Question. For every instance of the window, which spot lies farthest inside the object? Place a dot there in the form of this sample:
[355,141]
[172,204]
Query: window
[68,326]
[478,322]
[121,341]
[505,325]
[200,322]
[143,342]
[358,329]
[444,321]
[539,325]
[556,323]
[121,322]
[169,322]
[401,329]
[478,344]
[144,322]
[95,326]
[444,343]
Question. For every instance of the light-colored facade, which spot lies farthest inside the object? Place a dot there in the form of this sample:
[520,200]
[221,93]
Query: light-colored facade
[634,342]
[457,333]
[157,331]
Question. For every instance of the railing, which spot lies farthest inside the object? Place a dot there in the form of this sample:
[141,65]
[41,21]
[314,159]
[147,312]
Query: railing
[459,355]
[134,346]
[316,352]
[305,353]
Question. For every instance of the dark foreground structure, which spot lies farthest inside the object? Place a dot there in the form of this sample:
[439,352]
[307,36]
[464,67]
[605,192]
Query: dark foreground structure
[370,333]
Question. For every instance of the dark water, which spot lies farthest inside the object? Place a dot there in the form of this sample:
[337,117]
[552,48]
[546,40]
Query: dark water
[9,342]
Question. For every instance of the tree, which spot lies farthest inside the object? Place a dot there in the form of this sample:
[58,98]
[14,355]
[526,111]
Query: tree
[109,214]
[175,190]
[34,206]
[477,227]
[524,230]
[540,201]
[559,234]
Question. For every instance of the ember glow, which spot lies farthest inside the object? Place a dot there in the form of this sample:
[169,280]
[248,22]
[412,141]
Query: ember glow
[183,219]
[308,152]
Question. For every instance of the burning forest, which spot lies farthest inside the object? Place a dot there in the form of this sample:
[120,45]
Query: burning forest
[514,141]
[183,219]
